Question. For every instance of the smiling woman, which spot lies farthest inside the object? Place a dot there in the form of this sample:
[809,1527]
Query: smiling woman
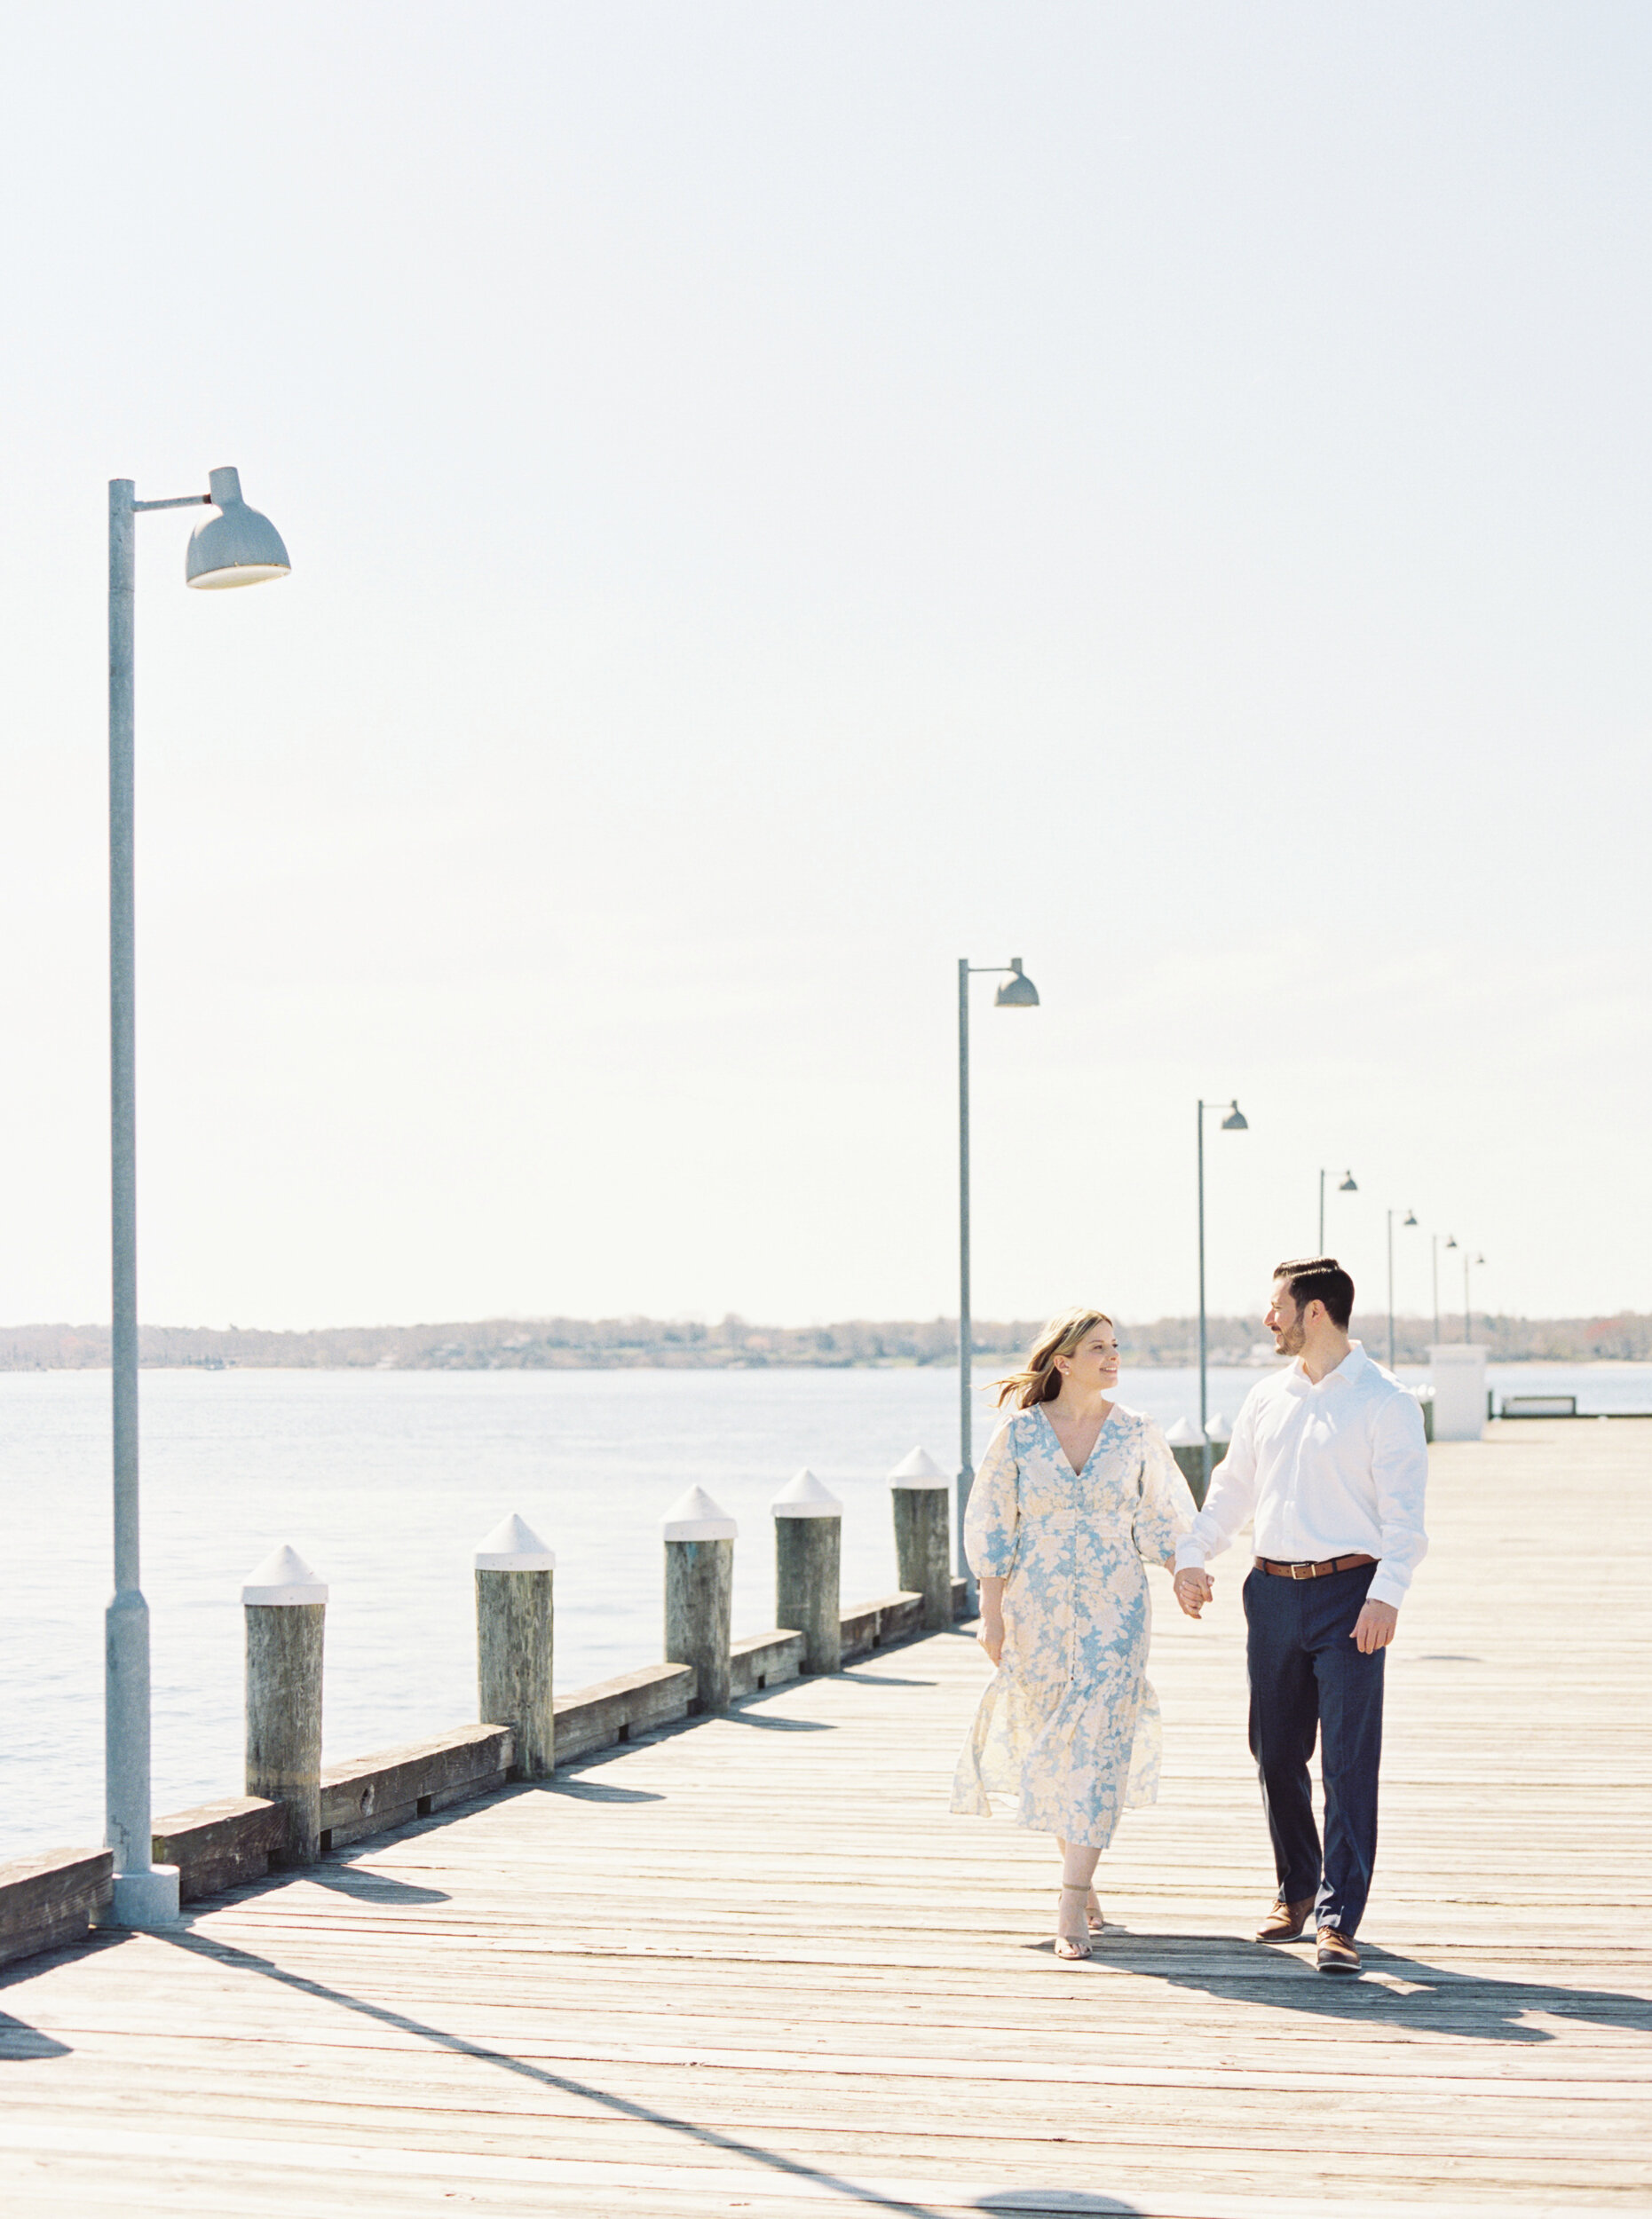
[1076,1494]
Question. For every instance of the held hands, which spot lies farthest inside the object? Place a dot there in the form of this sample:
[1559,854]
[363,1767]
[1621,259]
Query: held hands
[1193,1588]
[992,1635]
[1374,1628]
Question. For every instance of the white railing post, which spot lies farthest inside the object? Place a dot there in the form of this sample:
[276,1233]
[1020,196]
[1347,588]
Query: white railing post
[285,1612]
[807,1569]
[516,1642]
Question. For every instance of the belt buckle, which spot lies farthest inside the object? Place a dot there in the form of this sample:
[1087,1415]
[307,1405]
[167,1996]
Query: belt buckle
[1304,1571]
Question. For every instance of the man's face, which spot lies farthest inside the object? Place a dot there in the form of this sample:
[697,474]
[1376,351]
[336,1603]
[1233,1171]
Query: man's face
[1285,1321]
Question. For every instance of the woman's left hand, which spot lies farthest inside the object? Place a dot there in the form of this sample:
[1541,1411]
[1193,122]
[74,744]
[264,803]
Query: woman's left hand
[991,1638]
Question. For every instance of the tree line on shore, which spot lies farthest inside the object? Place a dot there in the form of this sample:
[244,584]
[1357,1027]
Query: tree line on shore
[583,1343]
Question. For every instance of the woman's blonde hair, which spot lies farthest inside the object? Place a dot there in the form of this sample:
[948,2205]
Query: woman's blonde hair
[1040,1381]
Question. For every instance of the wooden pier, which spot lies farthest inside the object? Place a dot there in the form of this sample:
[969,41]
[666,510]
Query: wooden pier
[749,1964]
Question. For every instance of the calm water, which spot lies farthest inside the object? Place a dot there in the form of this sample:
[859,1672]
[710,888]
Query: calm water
[386,1481]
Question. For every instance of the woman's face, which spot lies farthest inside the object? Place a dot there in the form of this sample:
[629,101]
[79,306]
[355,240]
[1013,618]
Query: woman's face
[1093,1367]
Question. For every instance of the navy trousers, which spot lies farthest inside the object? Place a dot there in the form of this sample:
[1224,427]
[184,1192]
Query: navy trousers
[1307,1676]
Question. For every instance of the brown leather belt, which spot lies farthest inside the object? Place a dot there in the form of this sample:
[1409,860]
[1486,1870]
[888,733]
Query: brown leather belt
[1312,1571]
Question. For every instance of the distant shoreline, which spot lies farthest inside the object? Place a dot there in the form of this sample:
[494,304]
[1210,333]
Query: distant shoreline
[646,1344]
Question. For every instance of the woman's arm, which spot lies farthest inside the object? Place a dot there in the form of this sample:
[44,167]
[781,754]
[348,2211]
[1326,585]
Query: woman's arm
[1164,1510]
[992,1529]
[992,1634]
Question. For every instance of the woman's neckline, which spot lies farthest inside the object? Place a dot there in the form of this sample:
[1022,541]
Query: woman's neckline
[1078,1470]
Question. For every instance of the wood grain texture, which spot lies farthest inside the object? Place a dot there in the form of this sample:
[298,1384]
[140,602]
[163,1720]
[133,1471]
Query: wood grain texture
[217,1846]
[700,1587]
[515,1627]
[750,1965]
[50,1897]
[807,1566]
[923,1549]
[285,1643]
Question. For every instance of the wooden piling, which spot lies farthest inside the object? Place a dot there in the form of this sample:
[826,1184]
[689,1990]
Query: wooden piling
[808,1566]
[918,1492]
[515,1643]
[1187,1445]
[700,1583]
[285,1605]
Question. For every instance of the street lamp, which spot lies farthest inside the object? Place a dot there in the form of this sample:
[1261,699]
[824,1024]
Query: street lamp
[1409,1219]
[1450,1242]
[238,547]
[1348,1186]
[1467,1327]
[1234,1121]
[1017,993]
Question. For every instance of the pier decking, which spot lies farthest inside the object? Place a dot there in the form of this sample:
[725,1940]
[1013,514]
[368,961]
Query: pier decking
[750,1965]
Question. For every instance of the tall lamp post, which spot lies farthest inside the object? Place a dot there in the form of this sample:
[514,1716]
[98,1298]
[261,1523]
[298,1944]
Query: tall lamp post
[1348,1186]
[1017,993]
[1451,1241]
[238,547]
[1235,1121]
[1409,1219]
[1468,1326]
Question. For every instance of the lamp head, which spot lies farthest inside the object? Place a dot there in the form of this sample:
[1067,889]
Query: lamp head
[1017,991]
[238,547]
[1348,1186]
[1409,1218]
[1236,1120]
[1451,1240]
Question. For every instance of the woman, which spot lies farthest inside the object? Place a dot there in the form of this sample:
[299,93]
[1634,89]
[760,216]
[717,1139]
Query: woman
[1077,1493]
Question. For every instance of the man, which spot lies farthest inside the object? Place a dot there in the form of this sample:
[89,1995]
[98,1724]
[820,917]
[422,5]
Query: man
[1330,1456]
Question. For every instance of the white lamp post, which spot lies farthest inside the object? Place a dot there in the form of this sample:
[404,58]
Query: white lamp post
[1017,993]
[238,547]
[1450,1242]
[1409,1219]
[1236,1121]
[1348,1186]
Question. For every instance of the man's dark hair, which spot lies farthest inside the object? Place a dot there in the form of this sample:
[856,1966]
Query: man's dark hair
[1319,1279]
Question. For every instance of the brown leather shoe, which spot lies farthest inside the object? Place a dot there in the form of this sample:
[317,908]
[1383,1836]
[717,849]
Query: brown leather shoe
[1336,1953]
[1286,1922]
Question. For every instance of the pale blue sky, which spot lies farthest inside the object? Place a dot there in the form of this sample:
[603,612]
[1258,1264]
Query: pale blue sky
[779,497]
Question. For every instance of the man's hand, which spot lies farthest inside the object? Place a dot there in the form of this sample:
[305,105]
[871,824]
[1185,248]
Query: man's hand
[992,1636]
[1374,1628]
[1193,1588]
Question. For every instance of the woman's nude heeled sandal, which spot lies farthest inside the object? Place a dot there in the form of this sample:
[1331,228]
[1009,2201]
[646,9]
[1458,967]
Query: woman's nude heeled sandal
[1074,1947]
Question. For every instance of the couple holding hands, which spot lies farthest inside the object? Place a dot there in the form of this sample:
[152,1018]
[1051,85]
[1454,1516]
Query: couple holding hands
[1077,1494]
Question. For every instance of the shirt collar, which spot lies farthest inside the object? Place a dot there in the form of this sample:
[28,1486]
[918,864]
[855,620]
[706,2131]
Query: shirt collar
[1348,1370]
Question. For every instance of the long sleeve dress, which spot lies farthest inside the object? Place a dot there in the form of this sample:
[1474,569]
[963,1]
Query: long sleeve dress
[1068,1728]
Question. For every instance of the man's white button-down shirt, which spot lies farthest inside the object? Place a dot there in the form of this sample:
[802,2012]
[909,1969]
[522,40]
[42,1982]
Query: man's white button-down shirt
[1336,1469]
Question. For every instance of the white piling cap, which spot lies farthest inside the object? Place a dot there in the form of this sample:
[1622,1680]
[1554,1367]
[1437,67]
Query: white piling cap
[283,1577]
[1184,1434]
[805,1497]
[920,1469]
[514,1547]
[695,1517]
[1217,1428]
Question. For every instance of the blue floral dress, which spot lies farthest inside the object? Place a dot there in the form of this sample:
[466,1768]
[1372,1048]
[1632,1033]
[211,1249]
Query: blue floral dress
[1068,1728]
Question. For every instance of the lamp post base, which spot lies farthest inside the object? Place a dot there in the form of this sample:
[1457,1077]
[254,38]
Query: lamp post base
[145,1901]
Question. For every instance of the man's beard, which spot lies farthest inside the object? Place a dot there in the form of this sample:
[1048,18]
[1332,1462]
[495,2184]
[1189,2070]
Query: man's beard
[1290,1340]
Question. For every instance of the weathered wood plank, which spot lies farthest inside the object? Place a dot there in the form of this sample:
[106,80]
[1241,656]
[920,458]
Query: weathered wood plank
[51,1898]
[219,1845]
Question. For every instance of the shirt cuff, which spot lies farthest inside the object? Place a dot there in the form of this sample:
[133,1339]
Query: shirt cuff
[1190,1557]
[1385,1588]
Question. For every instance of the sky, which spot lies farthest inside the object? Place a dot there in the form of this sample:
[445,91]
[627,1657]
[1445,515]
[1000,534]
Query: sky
[781,499]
